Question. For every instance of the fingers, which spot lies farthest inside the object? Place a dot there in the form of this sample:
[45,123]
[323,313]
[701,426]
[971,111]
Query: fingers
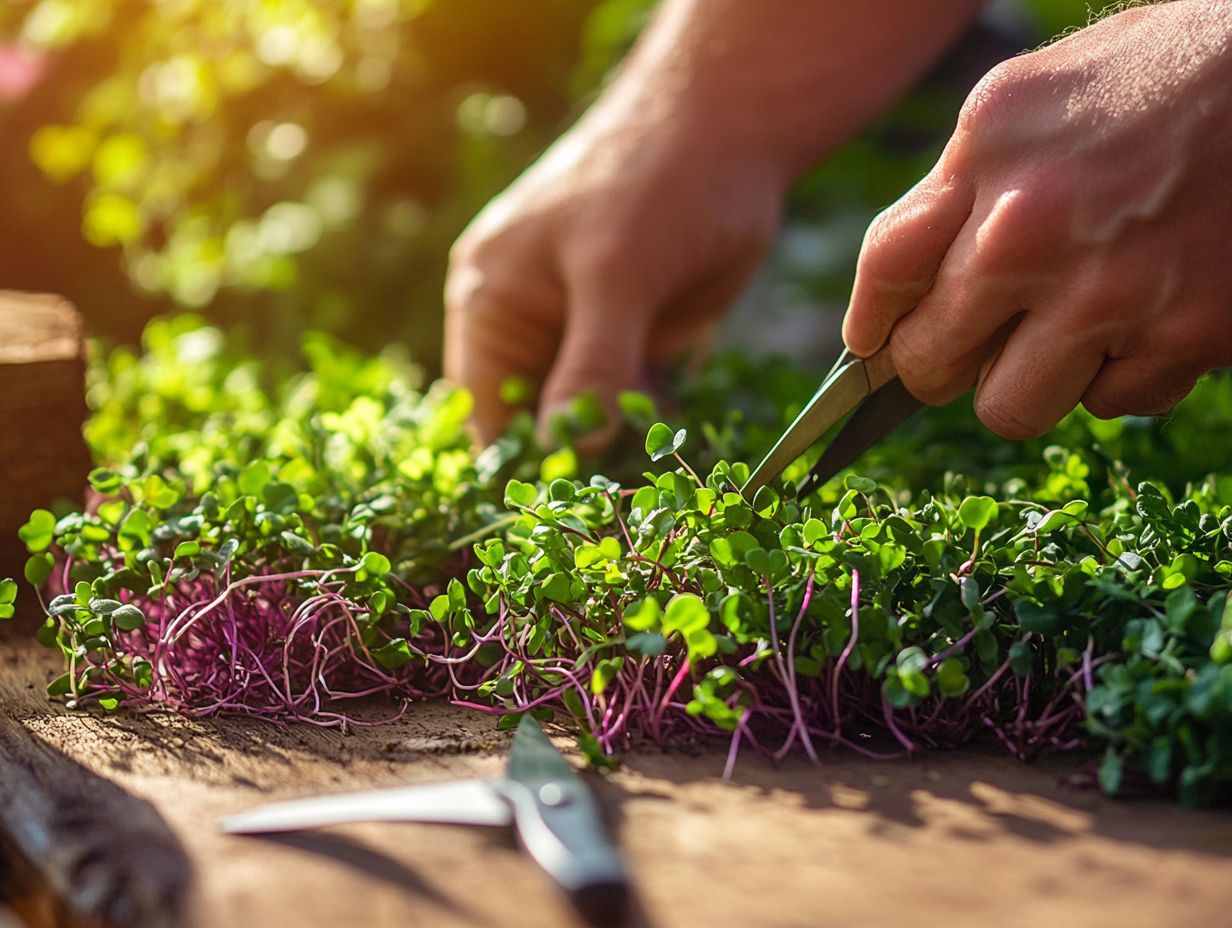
[492,336]
[1040,374]
[1000,262]
[602,352]
[938,379]
[939,346]
[1137,387]
[497,327]
[902,252]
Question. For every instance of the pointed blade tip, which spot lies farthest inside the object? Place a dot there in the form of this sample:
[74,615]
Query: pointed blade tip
[243,824]
[534,757]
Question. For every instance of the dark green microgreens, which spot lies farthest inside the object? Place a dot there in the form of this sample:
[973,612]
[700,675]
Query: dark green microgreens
[279,548]
[973,615]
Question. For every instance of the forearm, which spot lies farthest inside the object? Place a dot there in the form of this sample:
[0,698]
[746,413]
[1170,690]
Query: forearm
[778,83]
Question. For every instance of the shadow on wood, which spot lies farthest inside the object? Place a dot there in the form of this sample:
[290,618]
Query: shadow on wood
[370,860]
[80,851]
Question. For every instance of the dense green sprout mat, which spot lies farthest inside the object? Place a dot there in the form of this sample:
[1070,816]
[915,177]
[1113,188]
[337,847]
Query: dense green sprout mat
[279,543]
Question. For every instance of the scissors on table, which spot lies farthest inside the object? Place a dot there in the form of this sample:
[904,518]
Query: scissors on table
[871,387]
[553,811]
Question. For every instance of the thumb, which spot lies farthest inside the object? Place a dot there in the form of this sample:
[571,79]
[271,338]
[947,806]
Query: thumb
[602,352]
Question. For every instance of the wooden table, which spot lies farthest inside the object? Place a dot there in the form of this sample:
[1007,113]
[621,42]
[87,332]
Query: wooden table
[111,821]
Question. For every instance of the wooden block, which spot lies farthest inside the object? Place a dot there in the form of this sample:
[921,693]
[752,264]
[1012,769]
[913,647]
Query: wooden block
[43,456]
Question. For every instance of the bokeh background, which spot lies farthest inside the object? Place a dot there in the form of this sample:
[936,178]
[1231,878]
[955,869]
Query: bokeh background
[288,164]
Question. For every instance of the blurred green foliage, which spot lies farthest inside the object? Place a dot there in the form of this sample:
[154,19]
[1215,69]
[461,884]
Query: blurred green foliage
[297,162]
[293,163]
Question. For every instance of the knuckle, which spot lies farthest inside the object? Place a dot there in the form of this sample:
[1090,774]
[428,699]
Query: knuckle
[1024,225]
[480,241]
[593,368]
[1090,278]
[996,248]
[469,276]
[884,262]
[503,228]
[1002,418]
[986,106]
[880,232]
[464,250]
[896,223]
[488,276]
[469,292]
[873,262]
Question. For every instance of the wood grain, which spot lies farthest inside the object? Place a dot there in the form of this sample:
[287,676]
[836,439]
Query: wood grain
[43,456]
[116,815]
[38,328]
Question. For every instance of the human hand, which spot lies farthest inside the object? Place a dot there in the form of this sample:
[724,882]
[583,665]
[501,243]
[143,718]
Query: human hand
[1072,243]
[619,249]
[625,243]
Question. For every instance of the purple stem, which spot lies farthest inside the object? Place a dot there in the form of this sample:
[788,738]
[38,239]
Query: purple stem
[847,651]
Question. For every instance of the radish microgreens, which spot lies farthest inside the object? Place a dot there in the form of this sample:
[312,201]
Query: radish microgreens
[284,553]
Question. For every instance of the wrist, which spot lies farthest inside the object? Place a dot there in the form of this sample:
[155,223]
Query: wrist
[771,88]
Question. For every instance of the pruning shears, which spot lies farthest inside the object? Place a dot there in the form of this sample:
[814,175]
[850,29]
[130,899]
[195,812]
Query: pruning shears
[869,386]
[556,817]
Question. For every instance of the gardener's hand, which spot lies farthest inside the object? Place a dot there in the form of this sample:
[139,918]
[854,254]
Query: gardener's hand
[1073,242]
[620,248]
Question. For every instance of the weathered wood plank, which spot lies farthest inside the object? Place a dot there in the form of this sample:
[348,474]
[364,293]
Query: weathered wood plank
[42,407]
[77,848]
[961,839]
[80,850]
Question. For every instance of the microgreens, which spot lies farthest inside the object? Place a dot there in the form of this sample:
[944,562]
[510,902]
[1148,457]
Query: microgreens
[281,553]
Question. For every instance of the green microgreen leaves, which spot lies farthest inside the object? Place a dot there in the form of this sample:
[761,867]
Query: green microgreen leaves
[38,569]
[127,618]
[373,564]
[38,532]
[346,517]
[8,597]
[663,440]
[520,495]
[643,615]
[977,512]
[687,616]
[105,480]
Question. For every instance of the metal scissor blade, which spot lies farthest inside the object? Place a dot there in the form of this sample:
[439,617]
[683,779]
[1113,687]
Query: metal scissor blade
[533,758]
[463,802]
[877,416]
[559,824]
[842,392]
